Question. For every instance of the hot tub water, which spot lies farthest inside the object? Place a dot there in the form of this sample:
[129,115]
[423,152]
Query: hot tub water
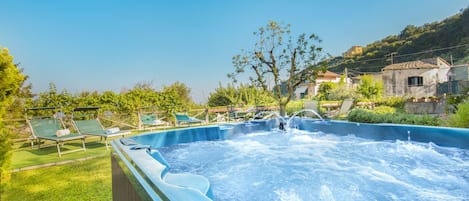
[301,165]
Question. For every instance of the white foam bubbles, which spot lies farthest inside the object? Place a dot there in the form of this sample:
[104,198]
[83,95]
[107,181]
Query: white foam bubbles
[318,166]
[325,194]
[301,139]
[287,195]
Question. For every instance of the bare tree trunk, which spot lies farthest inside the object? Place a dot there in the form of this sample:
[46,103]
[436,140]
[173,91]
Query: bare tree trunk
[283,109]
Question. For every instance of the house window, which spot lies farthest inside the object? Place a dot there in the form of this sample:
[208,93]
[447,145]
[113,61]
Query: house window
[415,81]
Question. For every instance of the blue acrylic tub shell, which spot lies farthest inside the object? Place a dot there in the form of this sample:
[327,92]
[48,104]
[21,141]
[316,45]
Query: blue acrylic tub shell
[153,172]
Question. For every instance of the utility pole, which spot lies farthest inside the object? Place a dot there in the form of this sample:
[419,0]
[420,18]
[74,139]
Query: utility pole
[392,57]
[346,77]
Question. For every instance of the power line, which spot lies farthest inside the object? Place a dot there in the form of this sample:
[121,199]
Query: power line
[432,50]
[401,55]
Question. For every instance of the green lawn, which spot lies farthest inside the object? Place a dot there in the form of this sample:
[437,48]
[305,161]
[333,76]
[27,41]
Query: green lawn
[81,180]
[25,156]
[90,179]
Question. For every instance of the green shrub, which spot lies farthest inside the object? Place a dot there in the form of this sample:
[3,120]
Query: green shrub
[294,106]
[453,101]
[360,115]
[461,117]
[384,110]
[396,102]
[385,114]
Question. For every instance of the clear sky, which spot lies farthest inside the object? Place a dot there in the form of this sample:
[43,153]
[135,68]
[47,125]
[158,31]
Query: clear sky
[88,45]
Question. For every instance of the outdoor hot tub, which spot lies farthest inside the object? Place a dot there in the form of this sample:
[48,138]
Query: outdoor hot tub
[312,160]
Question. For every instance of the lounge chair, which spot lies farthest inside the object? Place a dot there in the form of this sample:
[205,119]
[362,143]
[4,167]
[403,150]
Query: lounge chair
[47,128]
[261,112]
[184,118]
[344,109]
[232,112]
[311,105]
[89,124]
[150,121]
[238,114]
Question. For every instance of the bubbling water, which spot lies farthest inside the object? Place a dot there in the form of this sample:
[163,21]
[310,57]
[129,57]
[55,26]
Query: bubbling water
[302,165]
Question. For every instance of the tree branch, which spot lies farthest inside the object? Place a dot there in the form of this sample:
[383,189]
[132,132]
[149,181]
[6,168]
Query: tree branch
[260,77]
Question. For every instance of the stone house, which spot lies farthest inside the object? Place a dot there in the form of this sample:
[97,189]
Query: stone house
[459,73]
[458,81]
[353,51]
[415,78]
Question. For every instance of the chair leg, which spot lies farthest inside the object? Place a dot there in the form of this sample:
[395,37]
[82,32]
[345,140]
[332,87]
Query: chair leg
[83,143]
[32,143]
[58,149]
[107,147]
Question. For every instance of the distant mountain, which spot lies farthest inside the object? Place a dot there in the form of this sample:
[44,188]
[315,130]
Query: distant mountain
[448,39]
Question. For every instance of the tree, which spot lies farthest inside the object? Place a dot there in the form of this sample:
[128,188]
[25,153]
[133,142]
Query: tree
[169,102]
[53,98]
[243,94]
[370,88]
[224,96]
[342,91]
[324,90]
[277,55]
[11,80]
[461,117]
[22,100]
[250,95]
[182,91]
[142,95]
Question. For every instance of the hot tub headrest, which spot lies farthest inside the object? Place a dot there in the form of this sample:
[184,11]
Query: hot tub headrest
[140,146]
[128,141]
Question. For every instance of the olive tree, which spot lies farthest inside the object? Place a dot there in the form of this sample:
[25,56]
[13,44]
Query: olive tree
[370,88]
[11,80]
[280,58]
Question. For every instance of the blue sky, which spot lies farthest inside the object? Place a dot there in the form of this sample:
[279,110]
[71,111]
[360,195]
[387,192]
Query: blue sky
[104,45]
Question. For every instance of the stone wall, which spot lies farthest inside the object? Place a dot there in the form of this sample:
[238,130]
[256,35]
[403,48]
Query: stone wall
[425,107]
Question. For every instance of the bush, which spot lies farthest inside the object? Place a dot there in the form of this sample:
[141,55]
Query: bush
[384,110]
[396,102]
[294,106]
[385,114]
[453,101]
[461,117]
[360,115]
[11,81]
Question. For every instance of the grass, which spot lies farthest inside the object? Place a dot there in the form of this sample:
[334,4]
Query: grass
[79,180]
[26,156]
[82,180]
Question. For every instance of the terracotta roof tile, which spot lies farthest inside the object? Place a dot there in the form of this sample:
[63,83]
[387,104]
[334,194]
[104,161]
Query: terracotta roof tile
[419,64]
[328,74]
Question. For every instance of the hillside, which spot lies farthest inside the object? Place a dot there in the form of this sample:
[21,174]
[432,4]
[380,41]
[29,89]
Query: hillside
[448,39]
